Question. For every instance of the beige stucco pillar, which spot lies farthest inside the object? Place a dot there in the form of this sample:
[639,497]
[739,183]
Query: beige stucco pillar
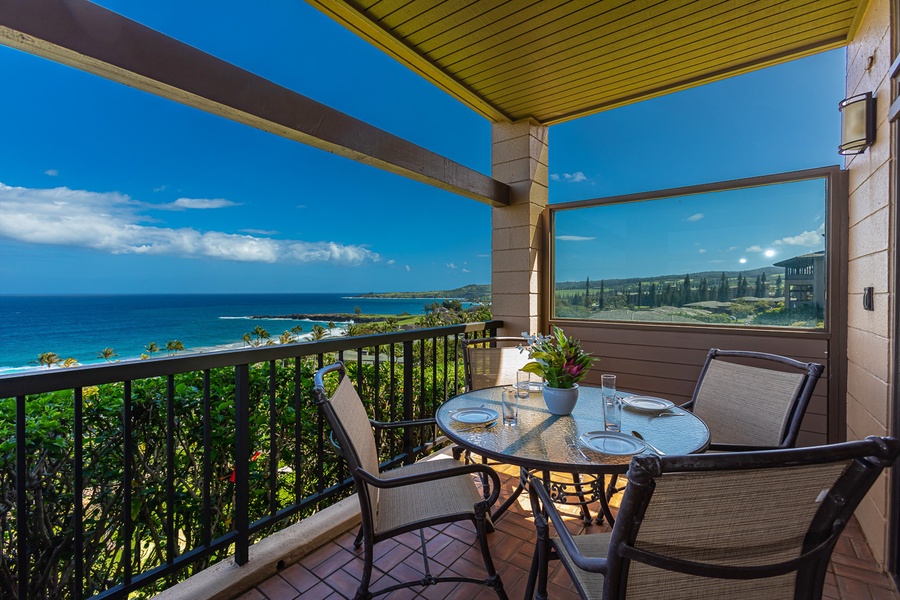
[519,158]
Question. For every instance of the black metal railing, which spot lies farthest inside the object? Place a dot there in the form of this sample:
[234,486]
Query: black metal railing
[120,480]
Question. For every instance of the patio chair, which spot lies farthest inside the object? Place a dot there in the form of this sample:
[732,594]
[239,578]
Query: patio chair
[487,364]
[752,407]
[423,494]
[730,525]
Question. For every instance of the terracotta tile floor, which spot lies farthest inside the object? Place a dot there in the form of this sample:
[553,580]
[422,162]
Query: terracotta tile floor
[332,572]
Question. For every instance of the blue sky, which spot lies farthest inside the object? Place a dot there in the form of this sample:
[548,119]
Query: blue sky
[106,189]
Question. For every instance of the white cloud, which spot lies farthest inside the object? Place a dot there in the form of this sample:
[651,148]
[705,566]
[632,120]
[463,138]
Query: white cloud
[390,262]
[112,222]
[810,239]
[756,248]
[695,217]
[574,238]
[300,206]
[466,271]
[259,231]
[576,177]
[702,251]
[161,188]
[451,266]
[190,204]
[483,255]
[407,268]
[51,172]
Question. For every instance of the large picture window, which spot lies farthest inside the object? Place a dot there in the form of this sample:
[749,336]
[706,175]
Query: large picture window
[753,256]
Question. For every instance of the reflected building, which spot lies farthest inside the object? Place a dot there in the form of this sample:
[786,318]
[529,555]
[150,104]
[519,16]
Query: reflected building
[804,281]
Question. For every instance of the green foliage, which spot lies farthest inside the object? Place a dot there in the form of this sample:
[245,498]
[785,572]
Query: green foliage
[302,466]
[559,359]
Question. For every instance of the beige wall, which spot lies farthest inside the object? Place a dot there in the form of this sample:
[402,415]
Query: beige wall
[519,158]
[869,376]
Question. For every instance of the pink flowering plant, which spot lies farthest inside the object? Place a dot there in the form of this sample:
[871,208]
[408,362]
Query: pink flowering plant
[560,360]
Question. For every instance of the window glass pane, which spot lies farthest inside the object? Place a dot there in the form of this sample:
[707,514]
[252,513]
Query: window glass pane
[745,257]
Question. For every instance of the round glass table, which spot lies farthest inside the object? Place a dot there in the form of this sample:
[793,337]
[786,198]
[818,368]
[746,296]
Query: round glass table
[542,441]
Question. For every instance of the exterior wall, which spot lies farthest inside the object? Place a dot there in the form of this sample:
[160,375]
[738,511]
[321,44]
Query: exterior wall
[519,158]
[869,372]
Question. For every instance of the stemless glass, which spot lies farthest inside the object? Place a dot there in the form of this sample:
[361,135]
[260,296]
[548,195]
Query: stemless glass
[510,406]
[523,383]
[612,405]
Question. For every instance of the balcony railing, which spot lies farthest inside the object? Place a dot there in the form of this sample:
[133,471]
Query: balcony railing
[120,480]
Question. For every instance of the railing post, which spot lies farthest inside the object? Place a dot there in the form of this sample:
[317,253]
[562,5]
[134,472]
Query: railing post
[22,560]
[242,463]
[408,402]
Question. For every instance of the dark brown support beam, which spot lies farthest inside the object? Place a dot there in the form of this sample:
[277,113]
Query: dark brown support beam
[91,38]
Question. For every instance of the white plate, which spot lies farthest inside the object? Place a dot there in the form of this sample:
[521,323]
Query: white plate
[475,416]
[647,404]
[611,442]
[533,386]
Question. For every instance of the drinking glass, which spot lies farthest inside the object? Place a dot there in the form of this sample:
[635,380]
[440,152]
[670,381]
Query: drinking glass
[510,406]
[523,383]
[612,404]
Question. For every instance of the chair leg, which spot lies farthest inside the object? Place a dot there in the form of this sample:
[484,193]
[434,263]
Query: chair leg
[493,579]
[362,592]
[358,541]
[579,493]
[539,563]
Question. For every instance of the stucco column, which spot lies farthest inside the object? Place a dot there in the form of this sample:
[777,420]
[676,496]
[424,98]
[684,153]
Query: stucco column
[519,158]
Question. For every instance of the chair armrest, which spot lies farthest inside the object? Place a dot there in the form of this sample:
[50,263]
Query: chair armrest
[395,424]
[594,565]
[433,476]
[722,447]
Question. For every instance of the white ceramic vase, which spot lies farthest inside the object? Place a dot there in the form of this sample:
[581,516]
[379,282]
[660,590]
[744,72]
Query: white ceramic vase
[560,401]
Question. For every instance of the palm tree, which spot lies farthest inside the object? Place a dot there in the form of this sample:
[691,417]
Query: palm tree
[297,329]
[106,354]
[247,339]
[330,324]
[261,334]
[173,346]
[47,359]
[151,348]
[352,330]
[286,338]
[318,332]
[70,362]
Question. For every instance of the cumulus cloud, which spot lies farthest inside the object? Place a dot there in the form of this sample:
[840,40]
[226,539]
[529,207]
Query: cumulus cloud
[112,222]
[576,177]
[702,251]
[390,262]
[809,239]
[574,238]
[197,203]
[755,248]
[51,172]
[695,217]
[408,269]
[466,271]
[451,266]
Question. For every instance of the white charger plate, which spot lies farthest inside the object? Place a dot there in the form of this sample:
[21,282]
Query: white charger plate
[647,404]
[475,416]
[612,442]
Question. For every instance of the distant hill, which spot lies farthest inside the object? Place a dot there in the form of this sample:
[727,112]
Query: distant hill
[474,292]
[712,276]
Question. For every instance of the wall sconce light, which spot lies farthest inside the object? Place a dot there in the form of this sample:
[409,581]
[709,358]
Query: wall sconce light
[857,123]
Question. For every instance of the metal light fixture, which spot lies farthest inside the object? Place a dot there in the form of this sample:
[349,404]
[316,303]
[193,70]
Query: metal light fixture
[857,123]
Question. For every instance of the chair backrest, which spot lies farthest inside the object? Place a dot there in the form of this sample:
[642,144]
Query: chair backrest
[492,361]
[347,417]
[738,525]
[753,405]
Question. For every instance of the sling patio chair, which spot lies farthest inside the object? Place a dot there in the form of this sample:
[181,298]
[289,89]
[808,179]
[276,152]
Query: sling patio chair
[753,407]
[494,361]
[715,526]
[410,498]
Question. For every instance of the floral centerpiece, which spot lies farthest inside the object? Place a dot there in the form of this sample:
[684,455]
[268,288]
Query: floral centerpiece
[560,360]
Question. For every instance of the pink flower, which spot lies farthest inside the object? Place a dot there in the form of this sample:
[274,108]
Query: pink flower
[572,369]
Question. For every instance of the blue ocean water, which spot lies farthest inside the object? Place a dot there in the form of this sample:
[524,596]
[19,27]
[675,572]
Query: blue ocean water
[81,326]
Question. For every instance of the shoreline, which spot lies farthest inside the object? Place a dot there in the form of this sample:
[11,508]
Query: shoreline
[334,317]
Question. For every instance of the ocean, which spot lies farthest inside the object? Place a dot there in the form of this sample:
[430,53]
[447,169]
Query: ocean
[81,326]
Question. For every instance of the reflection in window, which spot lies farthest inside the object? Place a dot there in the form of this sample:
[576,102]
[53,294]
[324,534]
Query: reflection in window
[750,257]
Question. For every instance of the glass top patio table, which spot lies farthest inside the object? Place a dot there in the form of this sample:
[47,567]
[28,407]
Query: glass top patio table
[541,440]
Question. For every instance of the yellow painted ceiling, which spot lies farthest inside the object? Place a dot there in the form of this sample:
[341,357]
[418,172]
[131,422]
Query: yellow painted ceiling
[554,60]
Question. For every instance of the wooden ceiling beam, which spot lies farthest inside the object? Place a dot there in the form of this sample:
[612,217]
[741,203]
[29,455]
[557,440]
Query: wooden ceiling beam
[91,38]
